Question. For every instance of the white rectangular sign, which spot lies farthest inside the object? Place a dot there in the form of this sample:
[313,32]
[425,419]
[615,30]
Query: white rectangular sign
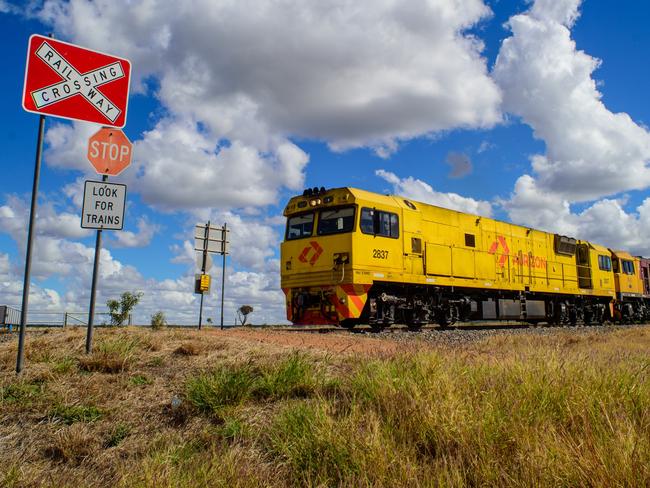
[103,206]
[213,246]
[214,241]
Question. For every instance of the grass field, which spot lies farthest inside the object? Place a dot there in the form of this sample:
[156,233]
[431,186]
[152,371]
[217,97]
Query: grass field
[177,408]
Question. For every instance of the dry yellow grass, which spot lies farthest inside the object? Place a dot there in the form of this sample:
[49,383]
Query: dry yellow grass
[210,408]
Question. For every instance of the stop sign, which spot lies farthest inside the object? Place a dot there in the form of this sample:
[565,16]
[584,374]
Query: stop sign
[109,151]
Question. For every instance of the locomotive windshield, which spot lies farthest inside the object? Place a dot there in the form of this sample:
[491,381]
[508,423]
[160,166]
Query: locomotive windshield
[300,226]
[335,221]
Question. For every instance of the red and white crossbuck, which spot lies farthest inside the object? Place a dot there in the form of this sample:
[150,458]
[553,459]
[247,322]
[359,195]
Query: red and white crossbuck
[69,81]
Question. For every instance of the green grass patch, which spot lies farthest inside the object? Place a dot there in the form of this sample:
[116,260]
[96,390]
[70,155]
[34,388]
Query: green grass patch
[227,386]
[293,377]
[309,441]
[69,414]
[64,365]
[118,434]
[139,380]
[21,392]
[156,362]
[112,355]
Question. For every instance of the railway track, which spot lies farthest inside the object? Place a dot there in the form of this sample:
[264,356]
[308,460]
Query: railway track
[468,326]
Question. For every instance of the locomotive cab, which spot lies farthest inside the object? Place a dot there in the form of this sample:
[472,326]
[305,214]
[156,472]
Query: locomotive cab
[317,249]
[626,275]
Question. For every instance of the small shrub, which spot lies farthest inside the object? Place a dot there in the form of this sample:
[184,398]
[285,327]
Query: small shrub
[158,320]
[69,414]
[120,310]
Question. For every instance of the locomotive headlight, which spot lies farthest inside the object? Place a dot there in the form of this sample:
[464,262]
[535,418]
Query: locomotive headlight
[314,202]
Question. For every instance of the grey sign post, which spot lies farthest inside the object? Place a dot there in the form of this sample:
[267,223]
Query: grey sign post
[103,209]
[211,240]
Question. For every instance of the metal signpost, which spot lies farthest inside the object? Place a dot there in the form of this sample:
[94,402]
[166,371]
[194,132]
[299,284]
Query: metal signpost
[68,81]
[109,151]
[209,239]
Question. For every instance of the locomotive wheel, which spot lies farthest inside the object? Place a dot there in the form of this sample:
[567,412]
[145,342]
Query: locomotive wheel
[445,317]
[348,324]
[587,316]
[573,316]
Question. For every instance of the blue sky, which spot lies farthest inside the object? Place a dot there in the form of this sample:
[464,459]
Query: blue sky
[533,112]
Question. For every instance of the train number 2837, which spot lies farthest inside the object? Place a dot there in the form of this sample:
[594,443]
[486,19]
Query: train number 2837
[379,254]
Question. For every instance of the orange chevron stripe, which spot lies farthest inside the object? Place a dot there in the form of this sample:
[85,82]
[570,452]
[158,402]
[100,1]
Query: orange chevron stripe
[341,309]
[357,302]
[356,296]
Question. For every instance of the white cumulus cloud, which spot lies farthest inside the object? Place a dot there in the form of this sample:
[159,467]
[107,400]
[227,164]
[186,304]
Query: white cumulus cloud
[591,152]
[348,72]
[421,191]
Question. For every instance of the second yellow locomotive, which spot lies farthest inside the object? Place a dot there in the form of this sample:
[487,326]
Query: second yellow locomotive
[352,256]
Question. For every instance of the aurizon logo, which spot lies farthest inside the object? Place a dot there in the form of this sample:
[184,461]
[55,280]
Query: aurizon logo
[517,259]
[501,241]
[313,245]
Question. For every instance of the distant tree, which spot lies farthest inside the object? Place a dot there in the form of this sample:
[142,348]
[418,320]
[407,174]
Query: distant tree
[243,312]
[120,309]
[158,320]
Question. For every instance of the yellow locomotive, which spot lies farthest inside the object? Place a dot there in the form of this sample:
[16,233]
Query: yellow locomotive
[351,256]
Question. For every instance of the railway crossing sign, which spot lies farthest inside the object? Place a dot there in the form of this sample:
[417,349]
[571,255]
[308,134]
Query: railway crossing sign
[73,82]
[109,151]
[103,205]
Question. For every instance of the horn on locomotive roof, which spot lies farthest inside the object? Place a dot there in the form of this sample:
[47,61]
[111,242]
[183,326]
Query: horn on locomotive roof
[313,191]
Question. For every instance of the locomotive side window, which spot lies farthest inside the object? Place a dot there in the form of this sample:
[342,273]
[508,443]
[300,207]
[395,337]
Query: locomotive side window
[604,262]
[470,240]
[300,226]
[379,223]
[628,267]
[367,223]
[335,221]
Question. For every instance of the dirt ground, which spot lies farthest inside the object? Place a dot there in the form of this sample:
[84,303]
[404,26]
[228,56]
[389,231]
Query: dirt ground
[337,342]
